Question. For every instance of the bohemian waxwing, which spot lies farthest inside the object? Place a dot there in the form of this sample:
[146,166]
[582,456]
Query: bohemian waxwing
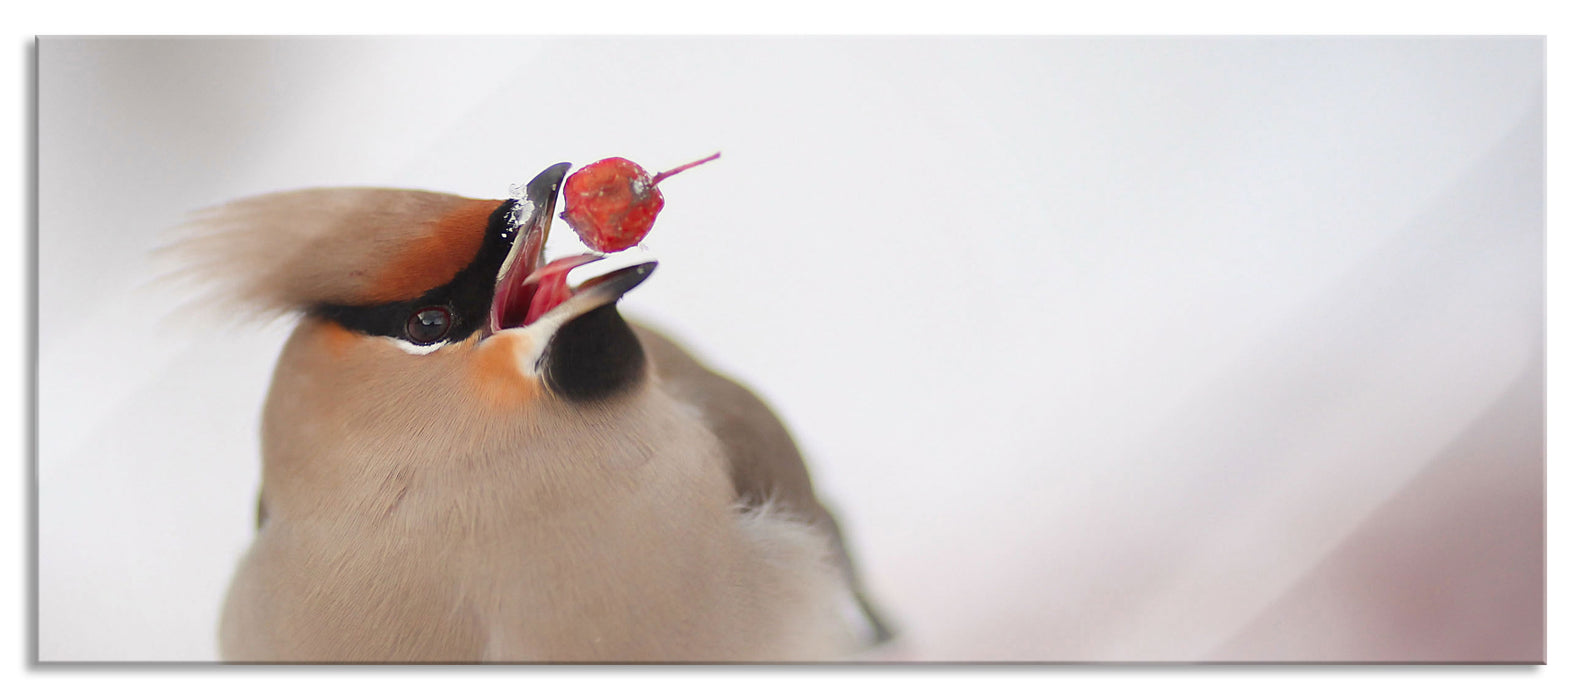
[465,459]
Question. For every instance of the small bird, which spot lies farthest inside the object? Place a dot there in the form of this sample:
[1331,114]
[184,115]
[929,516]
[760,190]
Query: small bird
[468,459]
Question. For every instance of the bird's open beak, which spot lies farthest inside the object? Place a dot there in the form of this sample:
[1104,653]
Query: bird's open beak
[527,288]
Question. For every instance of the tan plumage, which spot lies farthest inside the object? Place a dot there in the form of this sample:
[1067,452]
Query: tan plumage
[471,503]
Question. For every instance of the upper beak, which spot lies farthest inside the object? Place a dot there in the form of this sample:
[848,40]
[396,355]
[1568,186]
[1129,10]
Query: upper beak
[537,200]
[537,212]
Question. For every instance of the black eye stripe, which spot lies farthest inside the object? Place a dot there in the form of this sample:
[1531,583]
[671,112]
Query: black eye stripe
[466,297]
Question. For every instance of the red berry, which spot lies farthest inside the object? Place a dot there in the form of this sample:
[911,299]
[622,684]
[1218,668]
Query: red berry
[612,203]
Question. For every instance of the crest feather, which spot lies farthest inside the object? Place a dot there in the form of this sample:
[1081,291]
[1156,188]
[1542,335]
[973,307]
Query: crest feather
[287,251]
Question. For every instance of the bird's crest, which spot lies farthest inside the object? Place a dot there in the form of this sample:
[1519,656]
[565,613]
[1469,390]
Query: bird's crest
[287,251]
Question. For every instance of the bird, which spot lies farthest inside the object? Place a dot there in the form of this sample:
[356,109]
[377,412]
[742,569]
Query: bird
[467,459]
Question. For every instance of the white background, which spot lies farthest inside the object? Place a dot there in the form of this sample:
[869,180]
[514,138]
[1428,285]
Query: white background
[1142,349]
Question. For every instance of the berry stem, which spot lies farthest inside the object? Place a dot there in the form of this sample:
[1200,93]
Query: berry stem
[678,169]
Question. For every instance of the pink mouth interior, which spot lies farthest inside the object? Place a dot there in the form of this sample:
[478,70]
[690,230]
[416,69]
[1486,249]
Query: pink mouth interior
[528,291]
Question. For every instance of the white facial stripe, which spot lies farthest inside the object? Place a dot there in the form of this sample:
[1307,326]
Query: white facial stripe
[411,348]
[526,344]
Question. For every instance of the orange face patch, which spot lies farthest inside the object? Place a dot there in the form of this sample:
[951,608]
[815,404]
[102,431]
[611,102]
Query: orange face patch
[497,376]
[432,259]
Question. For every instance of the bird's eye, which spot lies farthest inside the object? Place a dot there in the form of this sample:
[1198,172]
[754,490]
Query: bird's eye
[428,324]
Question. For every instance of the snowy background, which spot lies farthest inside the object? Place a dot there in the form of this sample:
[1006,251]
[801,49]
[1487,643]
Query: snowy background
[1103,349]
